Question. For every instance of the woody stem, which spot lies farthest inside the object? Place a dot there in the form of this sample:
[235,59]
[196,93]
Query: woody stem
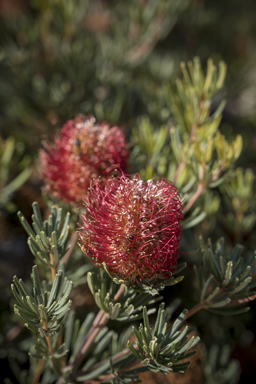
[99,322]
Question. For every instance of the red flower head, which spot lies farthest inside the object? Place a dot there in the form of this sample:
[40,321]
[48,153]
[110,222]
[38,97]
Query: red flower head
[81,152]
[133,227]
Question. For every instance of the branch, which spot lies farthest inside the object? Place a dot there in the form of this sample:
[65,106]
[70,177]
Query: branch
[178,172]
[194,310]
[99,322]
[201,188]
[53,271]
[38,371]
[193,133]
[126,351]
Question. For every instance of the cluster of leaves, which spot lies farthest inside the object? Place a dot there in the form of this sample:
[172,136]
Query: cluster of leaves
[192,153]
[47,242]
[226,280]
[43,312]
[129,308]
[240,198]
[163,351]
[11,159]
[200,159]
[46,312]
[146,285]
[218,368]
[63,58]
[121,79]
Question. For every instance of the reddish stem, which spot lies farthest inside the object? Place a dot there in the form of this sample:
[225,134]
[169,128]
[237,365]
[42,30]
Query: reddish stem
[99,322]
[194,198]
[194,310]
[38,371]
[178,172]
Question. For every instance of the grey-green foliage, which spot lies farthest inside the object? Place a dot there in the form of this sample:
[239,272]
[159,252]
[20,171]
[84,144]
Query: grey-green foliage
[47,240]
[78,267]
[226,280]
[43,312]
[63,58]
[218,367]
[127,376]
[196,142]
[161,350]
[189,151]
[129,307]
[203,158]
[137,27]
[107,354]
[240,198]
[147,286]
[191,101]
[120,363]
[103,357]
[149,153]
[11,161]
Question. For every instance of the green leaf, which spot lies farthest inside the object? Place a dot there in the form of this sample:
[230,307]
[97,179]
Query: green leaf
[37,285]
[159,320]
[56,287]
[66,292]
[69,329]
[190,344]
[63,310]
[146,321]
[37,214]
[133,350]
[206,286]
[26,225]
[220,303]
[64,229]
[58,220]
[228,312]
[104,342]
[212,295]
[228,273]
[17,182]
[21,287]
[192,222]
[83,332]
[95,374]
[177,323]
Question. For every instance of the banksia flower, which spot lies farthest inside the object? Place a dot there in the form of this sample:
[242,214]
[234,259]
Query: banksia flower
[81,152]
[133,228]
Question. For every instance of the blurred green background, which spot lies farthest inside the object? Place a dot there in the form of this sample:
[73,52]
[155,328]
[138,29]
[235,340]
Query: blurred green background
[111,59]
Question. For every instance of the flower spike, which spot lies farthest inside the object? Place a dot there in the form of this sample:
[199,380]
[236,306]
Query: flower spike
[84,150]
[132,229]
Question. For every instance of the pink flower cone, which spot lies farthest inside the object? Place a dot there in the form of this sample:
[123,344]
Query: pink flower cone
[133,227]
[81,152]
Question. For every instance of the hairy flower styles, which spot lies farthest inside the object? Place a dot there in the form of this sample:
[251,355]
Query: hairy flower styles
[81,152]
[133,227]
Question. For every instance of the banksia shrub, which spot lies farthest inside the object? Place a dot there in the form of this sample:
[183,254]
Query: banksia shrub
[130,230]
[133,227]
[83,150]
